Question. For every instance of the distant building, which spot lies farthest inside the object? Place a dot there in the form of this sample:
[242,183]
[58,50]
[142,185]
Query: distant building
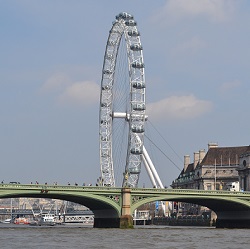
[244,170]
[217,169]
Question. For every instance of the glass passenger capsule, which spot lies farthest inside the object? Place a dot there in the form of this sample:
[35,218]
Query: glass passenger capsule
[138,117]
[109,56]
[136,47]
[107,71]
[107,87]
[104,122]
[130,23]
[134,170]
[137,128]
[138,65]
[139,106]
[105,104]
[139,85]
[125,16]
[133,33]
[136,151]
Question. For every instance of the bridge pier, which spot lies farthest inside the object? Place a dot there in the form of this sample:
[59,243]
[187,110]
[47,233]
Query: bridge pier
[106,222]
[126,220]
[233,219]
[110,221]
[231,223]
[106,218]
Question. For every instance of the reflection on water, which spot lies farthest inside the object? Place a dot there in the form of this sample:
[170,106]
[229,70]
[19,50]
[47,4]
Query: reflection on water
[153,237]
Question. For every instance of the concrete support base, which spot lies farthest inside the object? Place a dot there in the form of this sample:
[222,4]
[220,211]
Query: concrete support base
[126,221]
[233,219]
[107,222]
[232,223]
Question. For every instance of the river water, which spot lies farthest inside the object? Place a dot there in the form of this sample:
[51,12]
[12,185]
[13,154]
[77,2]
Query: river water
[153,237]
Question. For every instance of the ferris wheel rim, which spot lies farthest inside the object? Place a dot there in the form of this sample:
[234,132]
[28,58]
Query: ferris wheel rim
[123,26]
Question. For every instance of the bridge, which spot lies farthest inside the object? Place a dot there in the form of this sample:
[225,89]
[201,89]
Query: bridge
[113,207]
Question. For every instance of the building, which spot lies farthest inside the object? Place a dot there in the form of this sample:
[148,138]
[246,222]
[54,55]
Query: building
[218,169]
[244,170]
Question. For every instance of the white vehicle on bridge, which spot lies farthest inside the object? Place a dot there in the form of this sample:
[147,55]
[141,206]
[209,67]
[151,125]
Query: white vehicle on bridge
[233,186]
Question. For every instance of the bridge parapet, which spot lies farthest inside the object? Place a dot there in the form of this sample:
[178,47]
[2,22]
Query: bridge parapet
[191,191]
[66,187]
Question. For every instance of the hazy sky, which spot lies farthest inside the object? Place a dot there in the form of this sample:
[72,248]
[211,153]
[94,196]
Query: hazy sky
[197,67]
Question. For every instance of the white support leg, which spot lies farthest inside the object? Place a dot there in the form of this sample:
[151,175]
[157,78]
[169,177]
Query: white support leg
[152,167]
[150,174]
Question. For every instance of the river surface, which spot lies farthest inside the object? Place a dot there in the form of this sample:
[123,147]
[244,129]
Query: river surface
[153,237]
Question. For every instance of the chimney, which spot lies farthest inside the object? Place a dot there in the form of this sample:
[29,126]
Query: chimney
[201,155]
[212,145]
[186,162]
[196,159]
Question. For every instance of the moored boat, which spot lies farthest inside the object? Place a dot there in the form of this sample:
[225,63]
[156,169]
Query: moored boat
[21,221]
[7,221]
[44,220]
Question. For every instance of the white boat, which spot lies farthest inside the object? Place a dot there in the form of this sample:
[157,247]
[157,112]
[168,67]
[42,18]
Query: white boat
[48,217]
[45,220]
[7,221]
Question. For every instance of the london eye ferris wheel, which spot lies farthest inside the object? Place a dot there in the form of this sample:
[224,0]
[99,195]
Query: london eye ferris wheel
[122,114]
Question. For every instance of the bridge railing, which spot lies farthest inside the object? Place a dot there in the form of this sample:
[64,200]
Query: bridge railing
[191,191]
[116,189]
[53,186]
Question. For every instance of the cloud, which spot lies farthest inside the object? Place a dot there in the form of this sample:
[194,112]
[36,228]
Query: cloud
[69,92]
[80,94]
[56,82]
[178,107]
[191,46]
[214,10]
[228,86]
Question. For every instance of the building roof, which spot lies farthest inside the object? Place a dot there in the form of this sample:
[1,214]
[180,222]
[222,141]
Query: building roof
[190,168]
[224,155]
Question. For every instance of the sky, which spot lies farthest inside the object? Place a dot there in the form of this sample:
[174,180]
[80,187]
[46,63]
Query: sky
[197,68]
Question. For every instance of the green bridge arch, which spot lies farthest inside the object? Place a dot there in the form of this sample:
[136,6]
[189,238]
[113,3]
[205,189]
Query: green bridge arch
[208,201]
[103,202]
[232,208]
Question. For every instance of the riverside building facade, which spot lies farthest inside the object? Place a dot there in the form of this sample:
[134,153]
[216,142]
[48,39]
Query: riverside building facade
[217,169]
[244,171]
